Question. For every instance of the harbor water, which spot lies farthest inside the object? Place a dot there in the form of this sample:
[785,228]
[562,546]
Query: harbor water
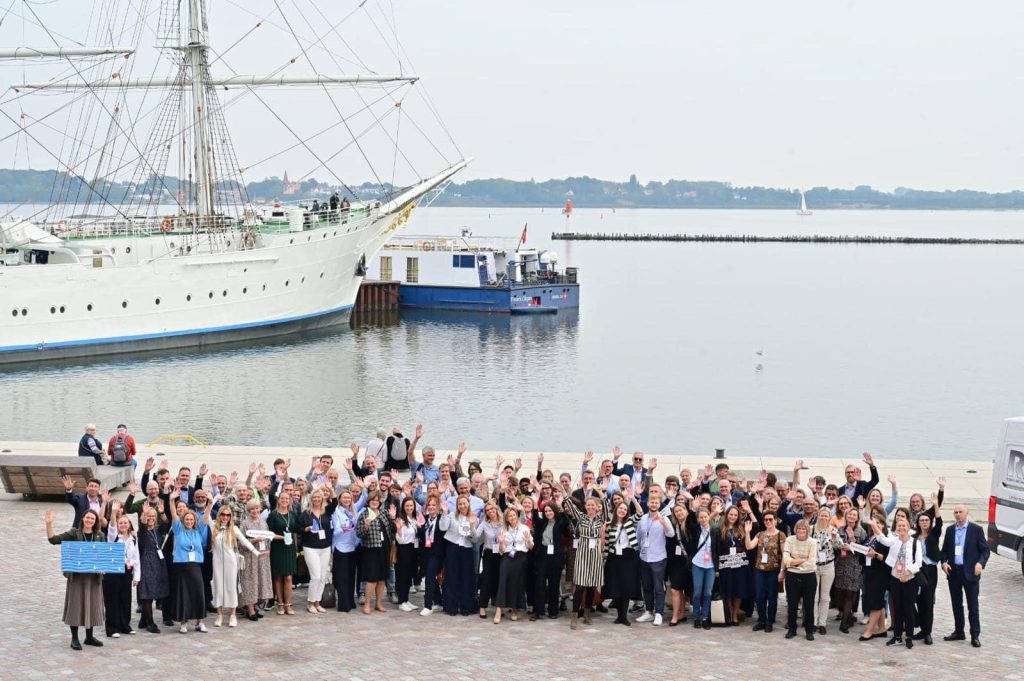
[774,349]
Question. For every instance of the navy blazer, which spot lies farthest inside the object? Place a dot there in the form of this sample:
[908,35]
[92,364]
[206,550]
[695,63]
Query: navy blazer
[861,487]
[976,550]
[628,470]
[80,502]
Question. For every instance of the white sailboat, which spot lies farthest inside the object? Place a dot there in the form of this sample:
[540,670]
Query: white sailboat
[149,240]
[803,206]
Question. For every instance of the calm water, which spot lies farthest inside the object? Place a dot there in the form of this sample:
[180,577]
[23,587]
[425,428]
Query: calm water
[900,350]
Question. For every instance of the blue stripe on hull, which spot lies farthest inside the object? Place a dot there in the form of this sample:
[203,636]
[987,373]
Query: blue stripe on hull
[175,339]
[418,296]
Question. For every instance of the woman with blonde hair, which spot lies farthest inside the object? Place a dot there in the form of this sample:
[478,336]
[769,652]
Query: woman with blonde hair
[255,574]
[153,582]
[317,535]
[189,539]
[459,568]
[848,567]
[514,542]
[828,545]
[799,554]
[284,523]
[117,587]
[83,595]
[224,542]
[487,534]
[734,576]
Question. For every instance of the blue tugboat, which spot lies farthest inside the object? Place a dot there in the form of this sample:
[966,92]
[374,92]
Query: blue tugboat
[481,274]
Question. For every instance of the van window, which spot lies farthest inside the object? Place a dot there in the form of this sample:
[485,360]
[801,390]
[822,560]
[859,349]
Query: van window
[1013,476]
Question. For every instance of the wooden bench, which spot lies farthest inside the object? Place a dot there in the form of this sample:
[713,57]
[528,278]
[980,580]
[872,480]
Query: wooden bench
[39,476]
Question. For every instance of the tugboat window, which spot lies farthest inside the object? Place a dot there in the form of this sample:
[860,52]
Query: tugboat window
[466,261]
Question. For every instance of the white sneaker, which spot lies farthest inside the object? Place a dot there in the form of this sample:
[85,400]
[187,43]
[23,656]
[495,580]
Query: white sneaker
[115,635]
[183,629]
[646,617]
[201,628]
[406,607]
[657,620]
[426,611]
[220,620]
[437,608]
[233,621]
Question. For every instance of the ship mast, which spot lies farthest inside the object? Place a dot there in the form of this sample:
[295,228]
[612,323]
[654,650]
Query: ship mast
[196,51]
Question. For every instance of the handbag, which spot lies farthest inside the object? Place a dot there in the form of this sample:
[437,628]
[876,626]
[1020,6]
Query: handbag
[329,599]
[717,611]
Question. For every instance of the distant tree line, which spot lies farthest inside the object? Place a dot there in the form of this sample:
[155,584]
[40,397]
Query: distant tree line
[38,186]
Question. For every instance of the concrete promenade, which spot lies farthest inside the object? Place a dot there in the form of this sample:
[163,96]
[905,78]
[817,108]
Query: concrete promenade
[966,481]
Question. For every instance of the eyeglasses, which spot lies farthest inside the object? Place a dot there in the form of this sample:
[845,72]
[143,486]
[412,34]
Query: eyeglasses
[638,460]
[769,520]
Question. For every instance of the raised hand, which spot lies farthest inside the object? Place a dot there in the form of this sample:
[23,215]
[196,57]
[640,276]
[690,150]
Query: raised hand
[149,464]
[518,464]
[498,460]
[48,516]
[162,464]
[419,477]
[175,494]
[203,470]
[651,466]
[133,487]
[942,482]
[616,452]
[347,463]
[868,459]
[891,479]
[287,463]
[763,477]
[69,484]
[393,512]
[252,468]
[588,457]
[419,431]
[451,461]
[354,447]
[233,479]
[798,465]
[748,525]
[860,501]
[462,449]
[262,469]
[708,470]
[540,459]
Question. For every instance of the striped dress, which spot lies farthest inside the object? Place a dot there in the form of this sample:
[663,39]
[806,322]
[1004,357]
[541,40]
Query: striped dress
[588,567]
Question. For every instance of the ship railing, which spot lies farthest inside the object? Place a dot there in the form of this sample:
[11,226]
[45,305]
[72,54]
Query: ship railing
[410,242]
[106,227]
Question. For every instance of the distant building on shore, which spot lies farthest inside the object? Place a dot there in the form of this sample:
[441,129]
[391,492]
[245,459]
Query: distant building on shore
[290,188]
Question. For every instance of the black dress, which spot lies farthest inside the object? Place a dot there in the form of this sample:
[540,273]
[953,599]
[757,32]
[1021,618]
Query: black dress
[876,577]
[680,573]
[621,571]
[154,584]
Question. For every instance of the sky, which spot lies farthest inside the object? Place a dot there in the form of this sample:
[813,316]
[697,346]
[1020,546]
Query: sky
[788,94]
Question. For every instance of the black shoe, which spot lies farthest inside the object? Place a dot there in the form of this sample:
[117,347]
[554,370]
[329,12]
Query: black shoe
[975,641]
[927,639]
[259,615]
[707,624]
[601,608]
[809,636]
[623,620]
[153,629]
[253,617]
[673,624]
[734,623]
[553,616]
[75,645]
[955,636]
[637,608]
[791,633]
[696,624]
[93,641]
[866,638]
[895,640]
[822,630]
[759,626]
[919,636]
[845,629]
[768,628]
[168,623]
[534,617]
[910,642]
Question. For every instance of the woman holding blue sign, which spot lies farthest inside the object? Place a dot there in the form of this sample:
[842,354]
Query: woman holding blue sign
[189,539]
[83,598]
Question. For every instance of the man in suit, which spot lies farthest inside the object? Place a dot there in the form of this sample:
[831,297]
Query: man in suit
[964,555]
[855,487]
[92,499]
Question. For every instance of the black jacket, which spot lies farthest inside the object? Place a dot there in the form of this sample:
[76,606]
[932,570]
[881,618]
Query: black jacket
[562,532]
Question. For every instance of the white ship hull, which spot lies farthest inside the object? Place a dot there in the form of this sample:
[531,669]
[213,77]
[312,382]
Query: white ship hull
[296,282]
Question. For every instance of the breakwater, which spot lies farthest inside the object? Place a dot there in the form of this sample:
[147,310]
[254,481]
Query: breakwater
[791,238]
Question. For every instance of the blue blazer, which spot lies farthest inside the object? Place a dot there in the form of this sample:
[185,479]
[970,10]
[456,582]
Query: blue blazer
[976,550]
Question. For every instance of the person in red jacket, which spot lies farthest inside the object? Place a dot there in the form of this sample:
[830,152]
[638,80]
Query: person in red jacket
[122,444]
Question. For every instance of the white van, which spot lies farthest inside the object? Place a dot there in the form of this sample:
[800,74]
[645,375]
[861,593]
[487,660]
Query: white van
[1006,505]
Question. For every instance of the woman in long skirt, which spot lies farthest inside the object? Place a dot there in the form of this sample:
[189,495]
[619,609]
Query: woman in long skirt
[83,597]
[117,587]
[284,523]
[588,568]
[189,542]
[224,542]
[514,542]
[255,574]
[153,582]
[622,562]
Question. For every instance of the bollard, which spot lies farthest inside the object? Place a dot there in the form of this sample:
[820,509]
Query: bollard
[719,453]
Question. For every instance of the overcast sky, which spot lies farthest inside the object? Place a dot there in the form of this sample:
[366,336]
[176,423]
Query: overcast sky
[792,94]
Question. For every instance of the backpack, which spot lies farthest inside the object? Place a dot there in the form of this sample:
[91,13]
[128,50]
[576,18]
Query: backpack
[119,452]
[398,450]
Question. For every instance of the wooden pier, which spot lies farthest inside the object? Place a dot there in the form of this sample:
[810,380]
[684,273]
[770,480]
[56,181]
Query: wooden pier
[786,239]
[377,296]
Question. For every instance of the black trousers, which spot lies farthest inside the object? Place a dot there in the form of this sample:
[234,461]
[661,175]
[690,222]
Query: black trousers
[406,562]
[926,599]
[800,589]
[491,565]
[958,588]
[547,583]
[343,574]
[904,602]
[208,576]
[117,601]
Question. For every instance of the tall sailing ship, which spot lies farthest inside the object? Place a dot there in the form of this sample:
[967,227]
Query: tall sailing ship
[148,239]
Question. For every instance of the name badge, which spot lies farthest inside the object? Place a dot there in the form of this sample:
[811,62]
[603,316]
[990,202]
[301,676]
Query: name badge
[707,555]
[618,550]
[867,561]
[958,551]
[732,550]
[592,543]
[551,549]
[415,542]
[822,557]
[321,534]
[679,550]
[764,558]
[287,538]
[160,554]
[428,543]
[575,543]
[262,546]
[191,556]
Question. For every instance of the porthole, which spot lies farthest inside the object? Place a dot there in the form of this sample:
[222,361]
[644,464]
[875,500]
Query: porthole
[62,308]
[291,241]
[88,307]
[53,310]
[229,243]
[325,235]
[124,303]
[172,246]
[188,298]
[127,249]
[303,281]
[245,290]
[335,234]
[286,282]
[157,301]
[224,293]
[14,312]
[113,250]
[211,295]
[264,287]
[321,275]
[24,312]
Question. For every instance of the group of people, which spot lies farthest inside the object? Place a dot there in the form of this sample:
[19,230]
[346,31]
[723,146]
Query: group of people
[384,525]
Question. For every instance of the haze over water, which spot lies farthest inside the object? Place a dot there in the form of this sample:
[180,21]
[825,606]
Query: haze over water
[904,351]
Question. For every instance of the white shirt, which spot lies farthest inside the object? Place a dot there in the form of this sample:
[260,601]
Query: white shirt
[515,538]
[911,563]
